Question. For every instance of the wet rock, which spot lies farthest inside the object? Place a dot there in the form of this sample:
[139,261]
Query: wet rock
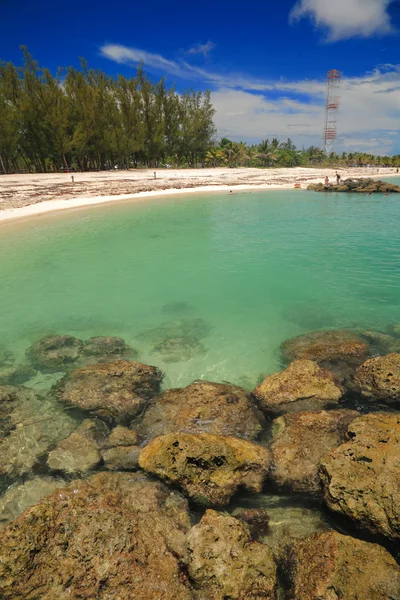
[256,519]
[179,349]
[7,358]
[121,436]
[106,347]
[8,402]
[194,329]
[36,423]
[55,352]
[378,379]
[115,391]
[330,566]
[122,458]
[113,535]
[303,385]
[95,430]
[16,374]
[338,350]
[381,343]
[362,185]
[74,455]
[203,407]
[394,329]
[300,441]
[19,497]
[361,477]
[225,563]
[209,468]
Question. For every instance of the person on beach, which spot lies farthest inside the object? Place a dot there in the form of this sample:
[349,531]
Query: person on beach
[338,178]
[327,180]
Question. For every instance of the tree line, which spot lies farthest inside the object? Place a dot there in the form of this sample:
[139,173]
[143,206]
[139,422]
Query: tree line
[85,119]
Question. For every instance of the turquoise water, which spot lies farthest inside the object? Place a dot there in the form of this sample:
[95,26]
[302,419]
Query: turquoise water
[257,267]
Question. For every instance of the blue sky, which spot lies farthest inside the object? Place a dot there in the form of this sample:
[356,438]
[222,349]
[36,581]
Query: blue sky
[265,62]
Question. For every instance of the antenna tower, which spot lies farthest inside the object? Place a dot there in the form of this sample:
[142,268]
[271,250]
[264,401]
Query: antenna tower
[331,107]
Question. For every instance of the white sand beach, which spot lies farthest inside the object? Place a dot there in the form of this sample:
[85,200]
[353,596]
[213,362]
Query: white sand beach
[23,195]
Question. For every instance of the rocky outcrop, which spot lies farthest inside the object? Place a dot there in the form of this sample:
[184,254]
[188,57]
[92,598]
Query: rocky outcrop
[303,385]
[114,391]
[338,350]
[108,347]
[203,407]
[55,352]
[19,497]
[361,477]
[300,441]
[110,536]
[330,566]
[32,424]
[362,185]
[225,563]
[378,379]
[209,468]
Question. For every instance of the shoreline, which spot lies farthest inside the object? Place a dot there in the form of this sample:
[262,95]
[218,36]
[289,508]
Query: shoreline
[240,180]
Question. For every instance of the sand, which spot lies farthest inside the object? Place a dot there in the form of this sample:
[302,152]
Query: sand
[25,195]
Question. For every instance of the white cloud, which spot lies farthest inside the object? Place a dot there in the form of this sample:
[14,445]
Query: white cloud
[346,18]
[203,49]
[251,109]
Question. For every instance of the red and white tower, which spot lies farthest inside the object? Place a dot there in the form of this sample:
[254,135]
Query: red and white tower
[331,109]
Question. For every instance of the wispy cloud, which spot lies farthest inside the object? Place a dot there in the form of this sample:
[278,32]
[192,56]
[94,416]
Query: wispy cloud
[343,19]
[251,109]
[203,49]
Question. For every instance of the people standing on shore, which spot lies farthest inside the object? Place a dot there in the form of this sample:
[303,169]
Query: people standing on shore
[338,178]
[327,180]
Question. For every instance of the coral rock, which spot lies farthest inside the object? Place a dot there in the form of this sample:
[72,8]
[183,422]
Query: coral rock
[55,352]
[378,379]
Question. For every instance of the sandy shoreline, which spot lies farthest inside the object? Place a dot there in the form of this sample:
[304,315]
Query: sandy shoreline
[26,195]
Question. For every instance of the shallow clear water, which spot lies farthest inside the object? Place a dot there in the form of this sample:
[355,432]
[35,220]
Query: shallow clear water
[258,267]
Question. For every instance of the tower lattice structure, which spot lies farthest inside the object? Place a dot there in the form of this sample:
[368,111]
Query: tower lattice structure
[331,108]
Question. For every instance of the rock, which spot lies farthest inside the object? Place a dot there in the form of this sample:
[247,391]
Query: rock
[74,455]
[122,458]
[362,185]
[194,329]
[179,349]
[94,430]
[114,391]
[55,352]
[203,407]
[329,566]
[303,385]
[300,441]
[225,563]
[7,358]
[121,436]
[113,535]
[338,350]
[8,403]
[256,519]
[378,379]
[16,374]
[361,477]
[35,424]
[382,343]
[104,347]
[394,329]
[19,497]
[209,468]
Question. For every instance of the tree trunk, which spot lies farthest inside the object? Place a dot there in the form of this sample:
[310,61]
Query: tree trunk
[2,164]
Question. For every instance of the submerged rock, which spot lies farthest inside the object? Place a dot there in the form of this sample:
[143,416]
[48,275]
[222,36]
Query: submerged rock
[16,374]
[382,343]
[35,424]
[303,385]
[121,458]
[361,477]
[74,455]
[176,308]
[209,468]
[378,379]
[55,352]
[194,329]
[104,347]
[19,497]
[7,358]
[338,350]
[203,407]
[329,566]
[300,441]
[114,535]
[179,349]
[256,519]
[115,391]
[121,436]
[225,563]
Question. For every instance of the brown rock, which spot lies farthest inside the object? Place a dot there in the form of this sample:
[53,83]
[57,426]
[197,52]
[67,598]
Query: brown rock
[209,468]
[55,352]
[225,563]
[122,436]
[330,566]
[115,391]
[114,535]
[303,385]
[378,379]
[361,477]
[16,374]
[103,347]
[122,458]
[256,519]
[77,454]
[203,407]
[300,441]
